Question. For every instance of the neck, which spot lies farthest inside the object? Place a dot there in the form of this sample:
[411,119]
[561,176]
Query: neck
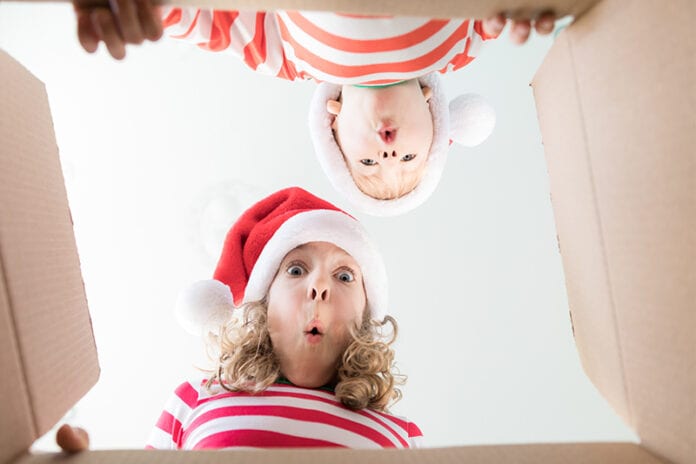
[378,86]
[328,387]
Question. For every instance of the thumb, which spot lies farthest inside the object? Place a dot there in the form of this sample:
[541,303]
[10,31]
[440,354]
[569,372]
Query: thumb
[72,439]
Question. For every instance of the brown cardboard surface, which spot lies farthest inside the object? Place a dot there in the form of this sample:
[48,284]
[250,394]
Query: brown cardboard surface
[439,9]
[16,428]
[587,453]
[44,290]
[579,233]
[616,103]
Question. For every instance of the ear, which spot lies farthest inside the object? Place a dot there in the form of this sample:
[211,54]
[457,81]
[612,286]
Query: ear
[333,107]
[427,92]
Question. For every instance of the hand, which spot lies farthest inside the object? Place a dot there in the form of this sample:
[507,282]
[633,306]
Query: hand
[72,439]
[521,28]
[125,22]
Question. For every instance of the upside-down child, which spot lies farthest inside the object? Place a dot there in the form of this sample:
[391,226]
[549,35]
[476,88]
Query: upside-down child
[380,122]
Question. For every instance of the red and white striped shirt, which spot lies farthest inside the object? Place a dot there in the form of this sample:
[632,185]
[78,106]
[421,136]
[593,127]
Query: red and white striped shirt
[332,47]
[281,416]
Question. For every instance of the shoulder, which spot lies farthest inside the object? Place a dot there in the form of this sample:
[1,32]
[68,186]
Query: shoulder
[191,391]
[408,428]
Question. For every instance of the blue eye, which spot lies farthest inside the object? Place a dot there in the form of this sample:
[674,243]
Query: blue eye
[295,270]
[368,162]
[345,276]
[408,157]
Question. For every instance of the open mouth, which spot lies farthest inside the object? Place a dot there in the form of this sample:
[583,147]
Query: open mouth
[313,331]
[314,334]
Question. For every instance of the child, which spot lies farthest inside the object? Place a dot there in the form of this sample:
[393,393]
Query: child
[380,123]
[300,294]
[295,312]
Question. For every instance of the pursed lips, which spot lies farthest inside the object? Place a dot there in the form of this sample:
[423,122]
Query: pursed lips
[314,332]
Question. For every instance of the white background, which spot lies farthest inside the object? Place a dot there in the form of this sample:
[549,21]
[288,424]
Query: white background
[160,153]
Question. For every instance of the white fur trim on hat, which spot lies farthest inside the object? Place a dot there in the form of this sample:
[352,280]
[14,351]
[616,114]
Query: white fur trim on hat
[204,306]
[472,119]
[322,226]
[332,161]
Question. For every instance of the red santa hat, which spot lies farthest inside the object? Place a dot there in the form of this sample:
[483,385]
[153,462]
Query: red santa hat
[256,245]
[467,120]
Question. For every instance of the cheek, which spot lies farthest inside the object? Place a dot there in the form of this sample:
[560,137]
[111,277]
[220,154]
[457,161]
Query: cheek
[424,136]
[279,325]
[280,299]
[423,121]
[354,135]
[286,300]
[273,322]
[352,307]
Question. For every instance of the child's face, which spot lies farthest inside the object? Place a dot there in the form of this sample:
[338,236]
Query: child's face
[385,136]
[315,298]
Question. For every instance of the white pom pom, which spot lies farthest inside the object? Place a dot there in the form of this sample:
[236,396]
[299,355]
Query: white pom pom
[204,307]
[471,119]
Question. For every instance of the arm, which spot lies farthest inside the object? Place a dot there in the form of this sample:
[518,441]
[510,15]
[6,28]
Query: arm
[168,431]
[415,436]
[124,22]
[253,37]
[491,28]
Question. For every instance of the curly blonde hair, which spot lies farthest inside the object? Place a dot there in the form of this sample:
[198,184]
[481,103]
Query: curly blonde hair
[366,376]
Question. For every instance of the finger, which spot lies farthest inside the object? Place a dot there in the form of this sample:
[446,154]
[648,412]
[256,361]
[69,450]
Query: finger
[128,22]
[494,25]
[544,23]
[150,19]
[104,20]
[520,31]
[86,34]
[72,439]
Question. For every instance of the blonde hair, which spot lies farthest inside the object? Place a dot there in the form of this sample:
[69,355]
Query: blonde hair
[378,189]
[366,376]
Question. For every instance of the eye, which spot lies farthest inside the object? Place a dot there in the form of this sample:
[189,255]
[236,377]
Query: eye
[368,162]
[345,276]
[295,270]
[408,157]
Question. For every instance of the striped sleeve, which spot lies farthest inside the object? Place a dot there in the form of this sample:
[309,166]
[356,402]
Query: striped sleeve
[474,42]
[168,431]
[415,436]
[251,36]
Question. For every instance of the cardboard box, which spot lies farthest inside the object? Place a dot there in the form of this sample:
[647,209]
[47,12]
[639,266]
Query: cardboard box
[439,9]
[616,99]
[617,111]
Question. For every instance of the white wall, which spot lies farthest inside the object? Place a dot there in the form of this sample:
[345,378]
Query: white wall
[160,148]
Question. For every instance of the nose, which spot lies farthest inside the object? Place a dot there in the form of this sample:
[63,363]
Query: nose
[318,291]
[386,155]
[388,135]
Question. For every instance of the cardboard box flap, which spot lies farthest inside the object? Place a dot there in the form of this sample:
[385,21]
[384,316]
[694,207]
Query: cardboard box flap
[571,453]
[15,413]
[44,293]
[440,9]
[616,100]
